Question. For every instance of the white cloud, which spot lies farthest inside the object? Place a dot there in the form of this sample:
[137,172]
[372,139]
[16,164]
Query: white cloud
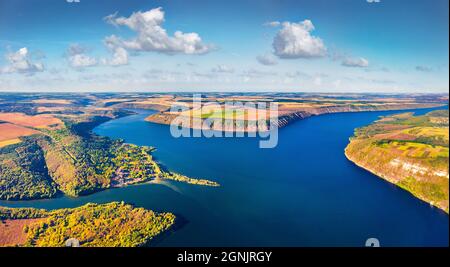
[120,57]
[119,54]
[378,69]
[75,49]
[204,75]
[317,81]
[20,62]
[163,75]
[298,74]
[82,60]
[258,73]
[294,40]
[151,36]
[77,57]
[272,24]
[337,83]
[355,62]
[267,59]
[423,68]
[373,1]
[222,69]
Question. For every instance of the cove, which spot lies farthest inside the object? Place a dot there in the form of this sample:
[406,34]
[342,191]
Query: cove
[304,192]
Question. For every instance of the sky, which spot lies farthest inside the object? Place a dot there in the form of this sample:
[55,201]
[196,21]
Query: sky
[383,46]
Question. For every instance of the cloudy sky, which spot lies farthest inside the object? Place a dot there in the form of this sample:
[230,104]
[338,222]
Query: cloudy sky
[245,45]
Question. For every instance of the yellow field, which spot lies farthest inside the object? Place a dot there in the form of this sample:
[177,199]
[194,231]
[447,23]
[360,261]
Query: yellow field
[429,132]
[10,131]
[50,109]
[9,142]
[417,150]
[293,105]
[12,231]
[38,121]
[233,113]
[52,101]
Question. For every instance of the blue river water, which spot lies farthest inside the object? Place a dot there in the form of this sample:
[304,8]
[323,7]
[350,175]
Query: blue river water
[304,192]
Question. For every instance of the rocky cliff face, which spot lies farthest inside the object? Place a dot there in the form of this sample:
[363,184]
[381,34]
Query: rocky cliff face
[161,118]
[133,105]
[408,151]
[286,118]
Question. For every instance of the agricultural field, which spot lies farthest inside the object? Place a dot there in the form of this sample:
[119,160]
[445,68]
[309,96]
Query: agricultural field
[37,121]
[216,112]
[290,107]
[47,149]
[9,142]
[42,155]
[12,231]
[52,101]
[11,133]
[409,151]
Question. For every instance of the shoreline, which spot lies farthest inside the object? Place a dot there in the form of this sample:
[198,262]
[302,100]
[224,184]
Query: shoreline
[284,120]
[388,179]
[91,125]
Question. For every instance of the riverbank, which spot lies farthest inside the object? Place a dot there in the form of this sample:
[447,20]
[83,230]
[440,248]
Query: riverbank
[285,116]
[284,193]
[408,151]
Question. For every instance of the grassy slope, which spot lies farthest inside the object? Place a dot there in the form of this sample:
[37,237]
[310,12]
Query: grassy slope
[409,151]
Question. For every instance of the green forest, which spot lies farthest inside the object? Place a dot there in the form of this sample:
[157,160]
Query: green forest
[74,161]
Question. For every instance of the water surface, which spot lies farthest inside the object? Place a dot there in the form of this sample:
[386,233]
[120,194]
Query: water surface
[304,192]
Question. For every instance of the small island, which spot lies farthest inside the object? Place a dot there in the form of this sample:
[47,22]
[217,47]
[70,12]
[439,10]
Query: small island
[409,151]
[114,224]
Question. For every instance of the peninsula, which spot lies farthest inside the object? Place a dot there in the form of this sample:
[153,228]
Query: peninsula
[244,115]
[409,151]
[47,147]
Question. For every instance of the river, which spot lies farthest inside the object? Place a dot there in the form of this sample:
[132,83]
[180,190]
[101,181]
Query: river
[304,192]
